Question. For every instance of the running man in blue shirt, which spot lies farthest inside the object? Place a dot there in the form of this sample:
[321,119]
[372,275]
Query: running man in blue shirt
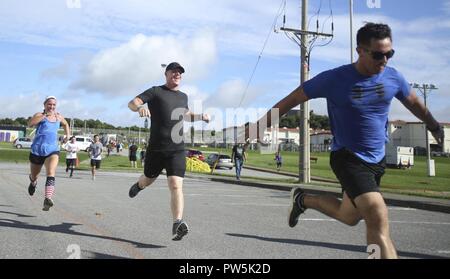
[45,147]
[358,98]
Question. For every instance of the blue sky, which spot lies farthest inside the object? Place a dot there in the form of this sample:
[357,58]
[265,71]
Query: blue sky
[97,55]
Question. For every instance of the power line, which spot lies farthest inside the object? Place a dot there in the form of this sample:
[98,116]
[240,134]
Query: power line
[272,27]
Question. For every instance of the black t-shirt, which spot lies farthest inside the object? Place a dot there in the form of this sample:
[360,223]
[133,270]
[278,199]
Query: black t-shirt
[238,151]
[133,150]
[167,110]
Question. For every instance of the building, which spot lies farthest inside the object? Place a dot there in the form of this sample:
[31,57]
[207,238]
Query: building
[402,133]
[10,133]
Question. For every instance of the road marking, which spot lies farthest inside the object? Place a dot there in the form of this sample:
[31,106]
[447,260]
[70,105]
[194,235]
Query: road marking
[420,223]
[258,204]
[398,222]
[443,252]
[402,208]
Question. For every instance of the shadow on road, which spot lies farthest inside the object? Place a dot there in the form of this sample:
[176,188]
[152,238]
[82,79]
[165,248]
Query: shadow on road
[66,228]
[337,246]
[17,214]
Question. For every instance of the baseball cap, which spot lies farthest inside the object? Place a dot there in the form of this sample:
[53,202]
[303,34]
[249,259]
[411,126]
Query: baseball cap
[173,66]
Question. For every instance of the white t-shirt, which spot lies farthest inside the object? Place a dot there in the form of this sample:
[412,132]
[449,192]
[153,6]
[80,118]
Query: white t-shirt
[72,150]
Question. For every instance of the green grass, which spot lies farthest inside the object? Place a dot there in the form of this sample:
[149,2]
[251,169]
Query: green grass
[406,181]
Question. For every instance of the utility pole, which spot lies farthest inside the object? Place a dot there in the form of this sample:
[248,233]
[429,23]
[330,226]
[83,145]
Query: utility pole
[304,150]
[423,90]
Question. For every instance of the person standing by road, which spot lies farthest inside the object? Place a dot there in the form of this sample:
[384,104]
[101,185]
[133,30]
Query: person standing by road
[132,155]
[168,107]
[358,97]
[279,160]
[45,148]
[238,156]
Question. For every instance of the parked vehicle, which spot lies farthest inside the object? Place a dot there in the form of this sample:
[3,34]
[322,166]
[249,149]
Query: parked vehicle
[399,156]
[223,161]
[22,143]
[439,154]
[195,153]
[83,142]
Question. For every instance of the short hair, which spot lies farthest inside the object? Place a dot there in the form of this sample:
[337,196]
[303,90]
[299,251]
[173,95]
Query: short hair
[370,31]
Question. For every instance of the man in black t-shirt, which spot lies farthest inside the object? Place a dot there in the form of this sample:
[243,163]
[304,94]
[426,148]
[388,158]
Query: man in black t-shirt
[168,108]
[132,155]
[238,156]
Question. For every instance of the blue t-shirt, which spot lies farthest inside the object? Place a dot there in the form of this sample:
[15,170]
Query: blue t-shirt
[358,107]
[46,140]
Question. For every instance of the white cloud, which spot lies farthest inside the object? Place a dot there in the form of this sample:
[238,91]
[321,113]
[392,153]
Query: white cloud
[128,67]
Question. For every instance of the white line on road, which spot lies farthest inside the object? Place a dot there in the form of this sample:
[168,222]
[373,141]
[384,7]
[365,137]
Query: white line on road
[402,208]
[258,204]
[398,222]
[443,252]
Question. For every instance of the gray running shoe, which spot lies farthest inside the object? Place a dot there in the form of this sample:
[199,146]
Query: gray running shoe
[47,204]
[134,190]
[179,230]
[297,206]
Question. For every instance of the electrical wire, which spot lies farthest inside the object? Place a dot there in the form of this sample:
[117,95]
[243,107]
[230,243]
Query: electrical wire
[272,27]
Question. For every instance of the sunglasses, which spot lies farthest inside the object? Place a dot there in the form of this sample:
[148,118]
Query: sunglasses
[378,55]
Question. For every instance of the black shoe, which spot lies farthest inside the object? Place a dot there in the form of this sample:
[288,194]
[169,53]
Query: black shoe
[134,190]
[32,186]
[47,204]
[179,230]
[297,206]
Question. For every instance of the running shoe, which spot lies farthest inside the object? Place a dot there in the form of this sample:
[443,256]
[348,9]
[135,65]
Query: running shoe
[32,186]
[179,230]
[47,204]
[134,190]
[297,206]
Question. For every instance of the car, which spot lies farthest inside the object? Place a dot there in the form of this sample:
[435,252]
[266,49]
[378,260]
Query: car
[83,142]
[22,143]
[190,153]
[439,154]
[223,161]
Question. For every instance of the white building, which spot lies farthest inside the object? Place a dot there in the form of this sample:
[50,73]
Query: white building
[412,134]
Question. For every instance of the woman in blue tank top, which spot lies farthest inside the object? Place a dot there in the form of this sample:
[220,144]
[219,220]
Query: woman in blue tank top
[45,148]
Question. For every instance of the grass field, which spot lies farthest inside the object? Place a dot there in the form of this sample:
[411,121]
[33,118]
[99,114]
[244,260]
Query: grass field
[409,181]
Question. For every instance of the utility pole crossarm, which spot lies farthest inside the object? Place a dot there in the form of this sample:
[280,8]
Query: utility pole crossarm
[305,32]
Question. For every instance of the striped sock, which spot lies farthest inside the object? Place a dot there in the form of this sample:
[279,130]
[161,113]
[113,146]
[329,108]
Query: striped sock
[49,187]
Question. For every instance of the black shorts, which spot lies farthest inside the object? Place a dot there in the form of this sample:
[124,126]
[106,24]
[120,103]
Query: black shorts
[39,160]
[132,158]
[71,162]
[95,163]
[173,161]
[356,176]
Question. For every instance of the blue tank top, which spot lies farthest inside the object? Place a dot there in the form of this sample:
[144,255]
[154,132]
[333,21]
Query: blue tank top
[46,140]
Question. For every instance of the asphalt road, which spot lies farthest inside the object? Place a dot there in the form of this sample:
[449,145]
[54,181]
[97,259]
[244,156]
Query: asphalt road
[226,221]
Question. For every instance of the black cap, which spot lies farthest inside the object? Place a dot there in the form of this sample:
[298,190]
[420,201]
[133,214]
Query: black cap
[173,66]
